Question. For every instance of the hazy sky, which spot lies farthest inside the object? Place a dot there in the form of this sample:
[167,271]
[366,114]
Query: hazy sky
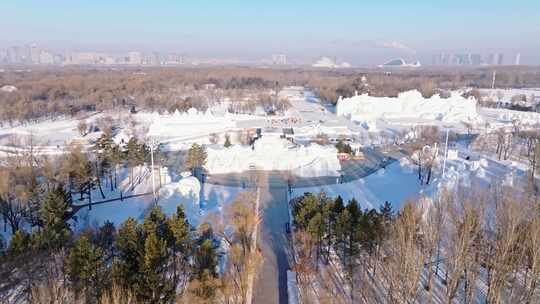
[357,31]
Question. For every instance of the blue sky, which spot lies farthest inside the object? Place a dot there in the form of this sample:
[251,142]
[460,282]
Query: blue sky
[357,31]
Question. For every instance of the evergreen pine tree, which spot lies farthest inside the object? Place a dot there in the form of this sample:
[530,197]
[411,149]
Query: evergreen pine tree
[181,243]
[2,245]
[104,143]
[103,149]
[227,141]
[156,223]
[387,213]
[155,287]
[316,229]
[79,169]
[87,271]
[20,243]
[353,234]
[305,210]
[53,215]
[106,237]
[136,155]
[115,157]
[129,246]
[205,260]
[196,157]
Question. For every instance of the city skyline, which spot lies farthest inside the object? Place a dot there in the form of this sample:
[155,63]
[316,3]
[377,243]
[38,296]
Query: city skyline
[359,33]
[34,54]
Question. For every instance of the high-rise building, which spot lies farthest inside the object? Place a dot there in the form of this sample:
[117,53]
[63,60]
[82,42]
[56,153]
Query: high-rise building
[3,56]
[174,59]
[476,59]
[16,55]
[151,59]
[518,59]
[46,58]
[84,58]
[34,54]
[279,59]
[495,59]
[500,59]
[134,58]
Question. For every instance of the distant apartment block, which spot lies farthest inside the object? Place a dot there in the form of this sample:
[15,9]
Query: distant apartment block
[279,59]
[517,60]
[472,59]
[134,58]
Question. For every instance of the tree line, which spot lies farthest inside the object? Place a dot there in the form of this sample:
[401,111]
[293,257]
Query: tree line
[163,259]
[25,176]
[458,247]
[50,93]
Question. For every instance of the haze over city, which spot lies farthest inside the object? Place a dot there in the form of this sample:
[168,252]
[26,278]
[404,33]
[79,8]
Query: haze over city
[269,152]
[361,33]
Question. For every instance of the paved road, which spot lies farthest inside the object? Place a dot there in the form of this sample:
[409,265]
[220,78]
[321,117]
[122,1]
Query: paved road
[271,281]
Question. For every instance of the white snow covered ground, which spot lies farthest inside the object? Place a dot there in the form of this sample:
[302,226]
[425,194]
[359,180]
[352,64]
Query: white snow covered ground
[394,184]
[48,134]
[198,201]
[273,153]
[398,182]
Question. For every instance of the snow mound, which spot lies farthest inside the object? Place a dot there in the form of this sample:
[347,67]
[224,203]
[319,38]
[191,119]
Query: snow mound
[273,153]
[186,188]
[409,105]
[328,63]
[187,125]
[8,89]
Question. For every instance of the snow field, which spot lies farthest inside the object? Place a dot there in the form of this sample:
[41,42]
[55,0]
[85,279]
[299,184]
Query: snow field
[398,182]
[198,201]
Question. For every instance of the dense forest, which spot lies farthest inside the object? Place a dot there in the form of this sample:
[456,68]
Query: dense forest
[458,248]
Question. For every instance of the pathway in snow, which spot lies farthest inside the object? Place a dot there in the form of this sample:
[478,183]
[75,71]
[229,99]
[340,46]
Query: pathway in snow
[271,283]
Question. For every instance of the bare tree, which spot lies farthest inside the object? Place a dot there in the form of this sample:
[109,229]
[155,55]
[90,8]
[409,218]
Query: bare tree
[504,254]
[405,259]
[463,234]
[432,227]
[82,127]
[238,229]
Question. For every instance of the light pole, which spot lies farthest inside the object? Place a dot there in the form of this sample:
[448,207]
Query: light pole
[153,144]
[445,152]
[439,213]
